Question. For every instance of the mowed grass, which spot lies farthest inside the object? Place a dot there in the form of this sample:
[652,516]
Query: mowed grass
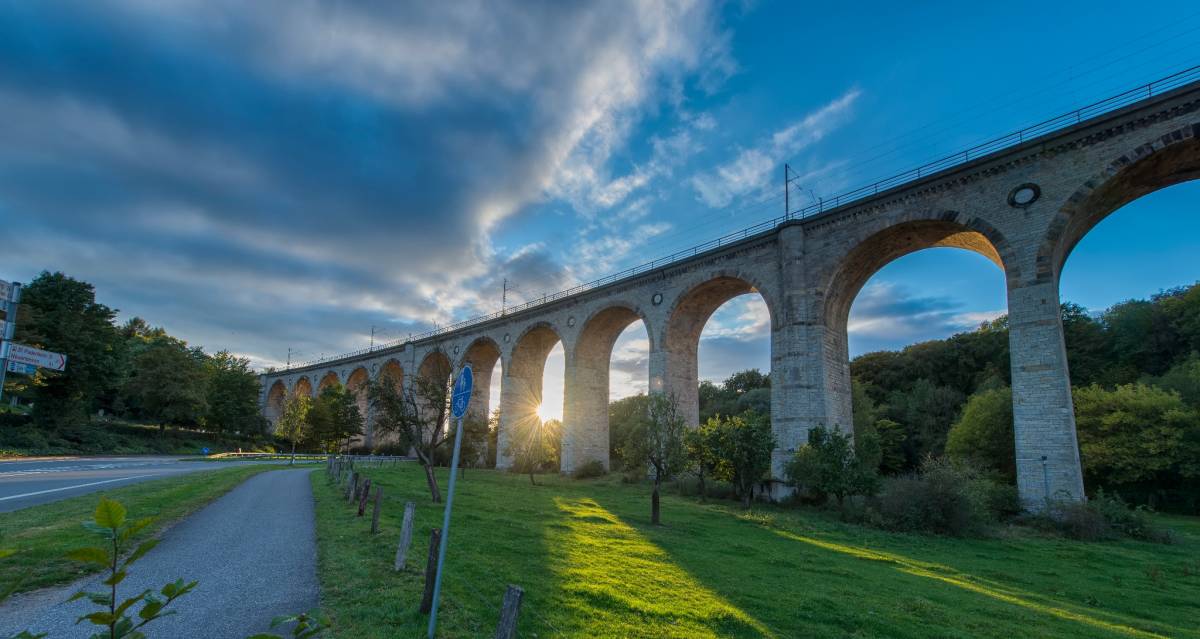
[41,535]
[592,565]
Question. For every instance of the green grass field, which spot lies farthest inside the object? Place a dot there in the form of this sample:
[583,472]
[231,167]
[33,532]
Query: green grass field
[41,535]
[592,566]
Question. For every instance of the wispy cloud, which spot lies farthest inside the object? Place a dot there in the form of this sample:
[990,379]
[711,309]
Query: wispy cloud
[750,171]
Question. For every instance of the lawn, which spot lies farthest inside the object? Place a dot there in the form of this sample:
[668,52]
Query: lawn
[42,534]
[591,565]
[117,438]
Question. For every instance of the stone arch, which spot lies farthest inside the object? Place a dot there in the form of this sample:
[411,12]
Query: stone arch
[329,380]
[911,234]
[585,411]
[521,389]
[302,387]
[435,367]
[276,398]
[482,354]
[1171,159]
[681,336]
[357,383]
[393,371]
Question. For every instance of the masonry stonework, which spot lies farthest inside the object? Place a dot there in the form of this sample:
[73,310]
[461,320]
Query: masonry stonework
[808,271]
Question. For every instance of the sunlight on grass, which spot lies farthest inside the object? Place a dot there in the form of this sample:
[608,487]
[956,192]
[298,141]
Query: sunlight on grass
[613,577]
[935,571]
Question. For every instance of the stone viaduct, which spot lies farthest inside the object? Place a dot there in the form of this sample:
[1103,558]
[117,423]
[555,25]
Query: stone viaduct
[1023,206]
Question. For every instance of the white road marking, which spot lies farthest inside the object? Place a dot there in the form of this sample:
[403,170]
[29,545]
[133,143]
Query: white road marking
[55,490]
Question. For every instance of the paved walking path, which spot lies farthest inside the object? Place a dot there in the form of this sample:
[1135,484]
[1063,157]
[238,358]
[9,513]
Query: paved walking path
[253,551]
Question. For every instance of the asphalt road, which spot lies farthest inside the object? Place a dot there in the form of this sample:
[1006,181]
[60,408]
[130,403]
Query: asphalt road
[29,483]
[253,552]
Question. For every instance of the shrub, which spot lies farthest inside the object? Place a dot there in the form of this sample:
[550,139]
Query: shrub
[590,470]
[831,464]
[983,434]
[944,498]
[1106,517]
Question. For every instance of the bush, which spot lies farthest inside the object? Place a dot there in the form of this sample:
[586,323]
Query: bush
[945,498]
[831,464]
[590,470]
[1106,517]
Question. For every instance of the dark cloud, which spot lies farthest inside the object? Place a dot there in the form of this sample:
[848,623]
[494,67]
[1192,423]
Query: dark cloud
[888,316]
[261,175]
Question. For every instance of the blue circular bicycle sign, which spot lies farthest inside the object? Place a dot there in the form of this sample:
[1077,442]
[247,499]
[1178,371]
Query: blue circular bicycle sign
[460,397]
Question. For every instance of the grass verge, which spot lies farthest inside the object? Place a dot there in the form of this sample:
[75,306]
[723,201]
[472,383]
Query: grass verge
[592,566]
[42,534]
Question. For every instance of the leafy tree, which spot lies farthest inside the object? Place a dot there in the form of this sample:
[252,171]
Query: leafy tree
[983,435]
[624,421]
[416,415]
[658,445]
[829,464]
[333,419]
[232,395]
[60,314]
[1182,378]
[293,421]
[891,438]
[168,384]
[534,446]
[701,446]
[1136,434]
[743,450]
[927,412]
[742,391]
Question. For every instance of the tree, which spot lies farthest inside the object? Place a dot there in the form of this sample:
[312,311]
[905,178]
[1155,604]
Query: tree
[743,445]
[1183,378]
[701,446]
[334,419]
[624,421]
[60,314]
[232,395]
[658,444]
[293,421]
[168,384]
[829,464]
[534,445]
[475,442]
[416,415]
[1136,434]
[983,434]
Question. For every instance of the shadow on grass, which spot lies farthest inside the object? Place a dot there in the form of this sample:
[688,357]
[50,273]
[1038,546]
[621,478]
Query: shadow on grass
[834,584]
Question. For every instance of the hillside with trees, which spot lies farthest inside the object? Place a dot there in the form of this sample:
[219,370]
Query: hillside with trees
[117,376]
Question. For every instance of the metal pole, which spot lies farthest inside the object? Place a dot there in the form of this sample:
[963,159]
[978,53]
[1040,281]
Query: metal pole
[437,580]
[10,329]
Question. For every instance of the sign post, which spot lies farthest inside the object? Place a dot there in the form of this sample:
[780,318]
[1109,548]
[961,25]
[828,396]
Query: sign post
[459,399]
[10,295]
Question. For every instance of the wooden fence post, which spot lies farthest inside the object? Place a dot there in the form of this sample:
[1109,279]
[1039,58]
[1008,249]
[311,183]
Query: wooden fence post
[507,628]
[405,536]
[375,513]
[435,540]
[352,488]
[362,497]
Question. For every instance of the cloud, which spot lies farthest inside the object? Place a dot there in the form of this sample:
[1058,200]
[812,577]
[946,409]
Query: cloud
[887,315]
[288,174]
[753,167]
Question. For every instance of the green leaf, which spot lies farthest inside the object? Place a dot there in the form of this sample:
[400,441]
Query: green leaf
[125,605]
[90,555]
[110,513]
[134,528]
[98,618]
[115,578]
[142,549]
[151,609]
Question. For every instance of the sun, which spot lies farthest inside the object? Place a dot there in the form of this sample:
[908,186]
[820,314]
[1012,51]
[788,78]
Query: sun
[546,412]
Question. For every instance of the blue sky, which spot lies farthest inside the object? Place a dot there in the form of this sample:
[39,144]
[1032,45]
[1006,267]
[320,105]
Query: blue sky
[259,176]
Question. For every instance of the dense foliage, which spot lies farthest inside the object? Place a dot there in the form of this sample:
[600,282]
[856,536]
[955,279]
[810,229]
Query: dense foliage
[133,370]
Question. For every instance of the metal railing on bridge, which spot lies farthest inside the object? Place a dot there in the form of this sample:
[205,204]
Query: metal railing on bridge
[1107,105]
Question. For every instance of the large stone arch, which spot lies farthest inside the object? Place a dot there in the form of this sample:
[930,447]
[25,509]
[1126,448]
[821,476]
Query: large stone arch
[329,380]
[302,387]
[521,389]
[435,368]
[1171,159]
[276,399]
[585,411]
[686,318]
[482,354]
[357,383]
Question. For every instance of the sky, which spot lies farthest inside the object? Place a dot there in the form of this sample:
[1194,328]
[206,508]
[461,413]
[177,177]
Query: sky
[267,176]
